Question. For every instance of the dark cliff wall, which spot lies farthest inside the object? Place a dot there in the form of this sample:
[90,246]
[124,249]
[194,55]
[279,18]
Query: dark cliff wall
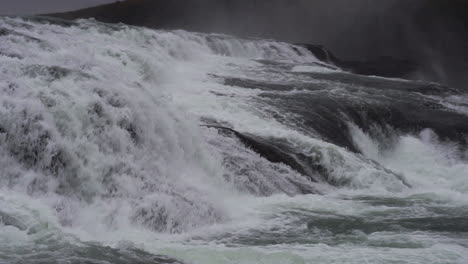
[431,32]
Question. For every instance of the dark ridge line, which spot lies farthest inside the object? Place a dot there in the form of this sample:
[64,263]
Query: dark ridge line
[271,153]
[275,154]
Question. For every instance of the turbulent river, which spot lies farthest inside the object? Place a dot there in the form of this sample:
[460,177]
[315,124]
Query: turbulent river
[121,144]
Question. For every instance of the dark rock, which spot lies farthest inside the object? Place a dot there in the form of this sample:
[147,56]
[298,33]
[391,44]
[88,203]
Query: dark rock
[310,166]
[8,220]
[275,153]
[385,66]
[321,53]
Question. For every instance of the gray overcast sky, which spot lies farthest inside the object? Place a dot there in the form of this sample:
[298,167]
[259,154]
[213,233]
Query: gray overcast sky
[12,7]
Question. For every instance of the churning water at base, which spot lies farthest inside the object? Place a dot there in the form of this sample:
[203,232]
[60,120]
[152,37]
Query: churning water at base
[121,144]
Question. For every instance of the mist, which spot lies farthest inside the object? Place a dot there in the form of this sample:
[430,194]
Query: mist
[428,32]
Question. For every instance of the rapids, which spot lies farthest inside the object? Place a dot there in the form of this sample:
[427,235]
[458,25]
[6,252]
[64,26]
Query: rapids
[122,144]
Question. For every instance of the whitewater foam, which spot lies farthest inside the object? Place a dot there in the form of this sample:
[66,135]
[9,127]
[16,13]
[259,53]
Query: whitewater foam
[430,165]
[95,126]
[103,139]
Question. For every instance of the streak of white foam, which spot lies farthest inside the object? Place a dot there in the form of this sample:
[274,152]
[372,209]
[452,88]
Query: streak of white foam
[431,166]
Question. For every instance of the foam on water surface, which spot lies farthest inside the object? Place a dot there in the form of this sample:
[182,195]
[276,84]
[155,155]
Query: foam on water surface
[103,142]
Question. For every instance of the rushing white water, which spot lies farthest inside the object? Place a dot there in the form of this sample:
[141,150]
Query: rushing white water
[431,164]
[102,140]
